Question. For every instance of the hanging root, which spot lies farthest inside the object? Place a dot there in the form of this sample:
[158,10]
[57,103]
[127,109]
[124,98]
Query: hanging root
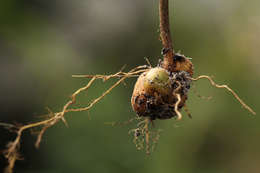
[226,87]
[179,116]
[144,137]
[12,154]
[147,134]
[178,96]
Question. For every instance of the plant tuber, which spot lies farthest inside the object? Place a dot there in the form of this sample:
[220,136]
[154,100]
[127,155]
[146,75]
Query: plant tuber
[156,90]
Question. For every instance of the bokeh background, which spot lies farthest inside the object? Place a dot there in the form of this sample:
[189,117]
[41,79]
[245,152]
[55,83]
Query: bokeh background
[42,43]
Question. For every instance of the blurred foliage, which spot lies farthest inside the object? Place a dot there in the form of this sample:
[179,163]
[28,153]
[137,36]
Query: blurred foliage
[42,43]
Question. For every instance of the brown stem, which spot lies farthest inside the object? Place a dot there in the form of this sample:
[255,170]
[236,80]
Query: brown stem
[165,35]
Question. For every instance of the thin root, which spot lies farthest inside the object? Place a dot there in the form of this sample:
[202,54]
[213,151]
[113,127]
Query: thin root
[12,154]
[147,135]
[179,116]
[229,89]
[187,111]
[144,138]
[200,96]
[120,123]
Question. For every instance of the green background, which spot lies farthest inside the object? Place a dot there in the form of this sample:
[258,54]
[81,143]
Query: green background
[42,43]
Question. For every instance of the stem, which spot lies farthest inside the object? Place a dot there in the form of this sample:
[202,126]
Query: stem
[165,35]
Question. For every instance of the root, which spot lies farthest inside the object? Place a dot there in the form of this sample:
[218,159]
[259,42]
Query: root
[155,139]
[147,135]
[12,151]
[144,137]
[116,123]
[229,89]
[179,116]
[187,111]
[207,98]
[9,127]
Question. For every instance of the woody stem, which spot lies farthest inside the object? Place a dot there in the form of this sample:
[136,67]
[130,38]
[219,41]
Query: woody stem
[165,35]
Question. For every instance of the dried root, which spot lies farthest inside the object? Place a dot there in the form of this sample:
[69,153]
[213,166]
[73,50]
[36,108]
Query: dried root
[194,89]
[226,87]
[116,123]
[154,96]
[12,151]
[144,137]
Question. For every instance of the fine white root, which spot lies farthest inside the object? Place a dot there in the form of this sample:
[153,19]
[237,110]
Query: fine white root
[179,116]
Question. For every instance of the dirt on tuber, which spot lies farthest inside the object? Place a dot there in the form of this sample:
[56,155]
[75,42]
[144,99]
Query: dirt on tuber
[156,91]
